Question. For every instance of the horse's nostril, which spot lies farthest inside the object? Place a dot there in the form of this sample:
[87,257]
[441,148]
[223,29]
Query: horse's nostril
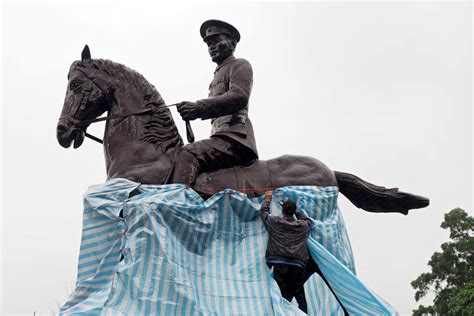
[62,128]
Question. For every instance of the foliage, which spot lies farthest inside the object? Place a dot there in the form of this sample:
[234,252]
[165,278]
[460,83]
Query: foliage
[452,270]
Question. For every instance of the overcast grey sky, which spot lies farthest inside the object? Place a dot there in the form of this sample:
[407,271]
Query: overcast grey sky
[382,91]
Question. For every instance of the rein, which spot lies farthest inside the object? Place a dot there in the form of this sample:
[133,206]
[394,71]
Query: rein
[84,123]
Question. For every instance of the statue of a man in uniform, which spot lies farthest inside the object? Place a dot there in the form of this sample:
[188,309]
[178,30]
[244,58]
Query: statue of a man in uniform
[232,140]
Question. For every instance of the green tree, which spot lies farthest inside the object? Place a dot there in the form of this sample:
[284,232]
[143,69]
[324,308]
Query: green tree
[452,270]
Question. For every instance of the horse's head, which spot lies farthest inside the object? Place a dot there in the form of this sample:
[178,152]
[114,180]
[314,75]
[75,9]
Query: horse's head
[86,98]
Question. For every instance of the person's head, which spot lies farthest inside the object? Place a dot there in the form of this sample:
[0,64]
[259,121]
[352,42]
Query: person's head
[288,207]
[221,39]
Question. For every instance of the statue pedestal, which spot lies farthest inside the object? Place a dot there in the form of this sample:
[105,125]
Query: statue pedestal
[169,252]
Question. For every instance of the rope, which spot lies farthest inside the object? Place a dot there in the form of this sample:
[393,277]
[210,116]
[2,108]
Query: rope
[208,189]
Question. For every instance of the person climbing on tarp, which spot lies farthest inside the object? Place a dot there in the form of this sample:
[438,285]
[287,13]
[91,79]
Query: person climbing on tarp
[286,250]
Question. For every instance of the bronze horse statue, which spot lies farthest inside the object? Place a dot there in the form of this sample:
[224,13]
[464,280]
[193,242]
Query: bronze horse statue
[141,142]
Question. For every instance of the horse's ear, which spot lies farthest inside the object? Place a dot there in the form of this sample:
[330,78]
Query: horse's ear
[86,54]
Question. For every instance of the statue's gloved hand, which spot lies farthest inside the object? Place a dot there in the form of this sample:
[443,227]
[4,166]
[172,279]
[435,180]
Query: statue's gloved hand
[188,110]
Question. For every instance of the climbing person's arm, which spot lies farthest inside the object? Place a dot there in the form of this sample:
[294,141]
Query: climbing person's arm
[265,208]
[301,216]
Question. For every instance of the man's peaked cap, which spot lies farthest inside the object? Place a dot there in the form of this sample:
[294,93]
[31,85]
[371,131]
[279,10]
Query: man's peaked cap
[216,27]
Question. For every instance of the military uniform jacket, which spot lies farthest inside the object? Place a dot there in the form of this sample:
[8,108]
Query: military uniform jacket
[227,105]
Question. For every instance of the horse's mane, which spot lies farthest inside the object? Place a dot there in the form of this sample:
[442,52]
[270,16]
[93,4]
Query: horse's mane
[160,130]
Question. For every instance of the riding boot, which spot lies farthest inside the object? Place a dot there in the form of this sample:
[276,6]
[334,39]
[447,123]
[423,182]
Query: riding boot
[186,169]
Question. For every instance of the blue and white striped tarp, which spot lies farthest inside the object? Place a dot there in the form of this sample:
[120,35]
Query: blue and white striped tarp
[169,252]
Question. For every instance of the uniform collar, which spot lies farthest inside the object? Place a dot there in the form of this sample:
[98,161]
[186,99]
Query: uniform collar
[226,61]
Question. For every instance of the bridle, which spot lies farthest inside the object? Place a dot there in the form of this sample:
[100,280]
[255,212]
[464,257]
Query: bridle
[83,124]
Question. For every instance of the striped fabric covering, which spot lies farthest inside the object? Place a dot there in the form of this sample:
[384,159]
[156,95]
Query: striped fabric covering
[168,252]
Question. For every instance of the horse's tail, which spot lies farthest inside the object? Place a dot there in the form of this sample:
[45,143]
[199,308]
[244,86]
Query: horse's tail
[374,198]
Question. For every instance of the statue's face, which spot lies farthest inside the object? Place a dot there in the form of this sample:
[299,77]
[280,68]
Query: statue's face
[220,47]
[84,100]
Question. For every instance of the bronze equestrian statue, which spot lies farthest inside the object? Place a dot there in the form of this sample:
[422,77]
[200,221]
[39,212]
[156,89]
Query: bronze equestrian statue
[142,143]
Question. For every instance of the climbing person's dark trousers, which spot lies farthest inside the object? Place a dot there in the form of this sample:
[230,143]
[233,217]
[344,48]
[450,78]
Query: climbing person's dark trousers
[290,279]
